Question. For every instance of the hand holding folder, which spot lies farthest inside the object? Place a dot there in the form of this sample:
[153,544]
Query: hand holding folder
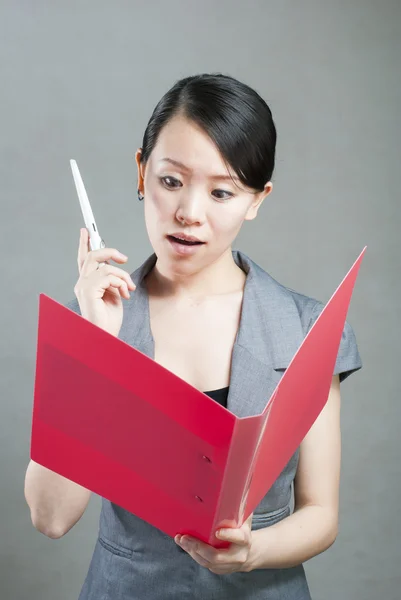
[114,421]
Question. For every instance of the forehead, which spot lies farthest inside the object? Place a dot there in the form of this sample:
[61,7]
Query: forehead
[184,141]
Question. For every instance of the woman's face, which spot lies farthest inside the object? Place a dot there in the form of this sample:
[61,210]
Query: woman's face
[188,192]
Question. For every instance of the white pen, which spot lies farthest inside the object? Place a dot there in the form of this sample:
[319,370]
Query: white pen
[95,239]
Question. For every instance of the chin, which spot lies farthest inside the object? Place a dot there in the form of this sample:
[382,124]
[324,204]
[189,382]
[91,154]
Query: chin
[175,264]
[180,267]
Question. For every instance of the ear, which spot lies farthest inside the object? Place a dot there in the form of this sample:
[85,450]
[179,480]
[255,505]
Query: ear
[141,171]
[257,201]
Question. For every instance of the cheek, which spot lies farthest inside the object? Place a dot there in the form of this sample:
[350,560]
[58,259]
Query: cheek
[228,222]
[157,207]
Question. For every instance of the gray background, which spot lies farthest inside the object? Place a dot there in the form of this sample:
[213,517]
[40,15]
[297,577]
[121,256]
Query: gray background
[79,80]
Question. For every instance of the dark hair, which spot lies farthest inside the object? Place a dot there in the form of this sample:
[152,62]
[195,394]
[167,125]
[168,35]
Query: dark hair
[234,116]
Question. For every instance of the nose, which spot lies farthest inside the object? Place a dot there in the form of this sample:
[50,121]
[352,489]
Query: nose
[191,210]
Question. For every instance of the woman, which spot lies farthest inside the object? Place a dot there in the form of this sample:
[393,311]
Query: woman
[220,322]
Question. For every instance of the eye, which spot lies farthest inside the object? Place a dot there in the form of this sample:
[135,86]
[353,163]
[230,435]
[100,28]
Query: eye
[170,182]
[230,195]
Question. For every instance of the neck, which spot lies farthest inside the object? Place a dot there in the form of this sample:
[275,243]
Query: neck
[223,276]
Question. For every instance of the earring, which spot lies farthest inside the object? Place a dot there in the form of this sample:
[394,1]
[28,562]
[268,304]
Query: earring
[140,196]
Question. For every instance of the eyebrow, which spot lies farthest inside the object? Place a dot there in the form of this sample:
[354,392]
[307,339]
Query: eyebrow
[185,168]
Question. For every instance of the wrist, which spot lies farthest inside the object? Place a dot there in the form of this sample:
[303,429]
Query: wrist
[262,541]
[252,561]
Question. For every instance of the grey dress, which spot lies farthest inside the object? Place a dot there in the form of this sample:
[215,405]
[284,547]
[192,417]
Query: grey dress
[133,560]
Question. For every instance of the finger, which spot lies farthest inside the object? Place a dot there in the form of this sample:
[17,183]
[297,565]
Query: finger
[216,561]
[112,284]
[220,565]
[191,549]
[117,283]
[102,256]
[105,254]
[197,548]
[200,560]
[223,570]
[83,247]
[111,270]
[240,536]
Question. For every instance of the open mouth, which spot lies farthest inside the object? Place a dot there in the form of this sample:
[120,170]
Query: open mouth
[184,242]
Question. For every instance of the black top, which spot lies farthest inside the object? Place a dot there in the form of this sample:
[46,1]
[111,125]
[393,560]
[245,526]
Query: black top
[220,395]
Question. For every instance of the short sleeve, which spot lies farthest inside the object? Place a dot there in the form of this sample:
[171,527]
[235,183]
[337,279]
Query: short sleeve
[348,358]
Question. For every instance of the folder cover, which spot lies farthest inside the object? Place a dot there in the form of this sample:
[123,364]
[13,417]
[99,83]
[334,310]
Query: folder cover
[111,419]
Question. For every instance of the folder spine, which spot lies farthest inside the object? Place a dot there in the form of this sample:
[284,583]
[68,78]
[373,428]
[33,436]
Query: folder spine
[237,475]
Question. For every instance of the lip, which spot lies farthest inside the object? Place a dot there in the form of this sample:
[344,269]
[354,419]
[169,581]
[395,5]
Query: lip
[183,250]
[183,236]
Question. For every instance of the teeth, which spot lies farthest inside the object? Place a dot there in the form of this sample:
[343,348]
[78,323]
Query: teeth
[184,241]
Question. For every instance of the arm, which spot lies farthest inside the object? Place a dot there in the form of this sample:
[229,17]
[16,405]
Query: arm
[312,528]
[56,503]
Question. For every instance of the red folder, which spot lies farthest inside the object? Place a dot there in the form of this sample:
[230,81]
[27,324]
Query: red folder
[114,421]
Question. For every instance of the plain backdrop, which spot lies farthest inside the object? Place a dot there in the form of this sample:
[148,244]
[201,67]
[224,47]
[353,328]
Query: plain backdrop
[80,80]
